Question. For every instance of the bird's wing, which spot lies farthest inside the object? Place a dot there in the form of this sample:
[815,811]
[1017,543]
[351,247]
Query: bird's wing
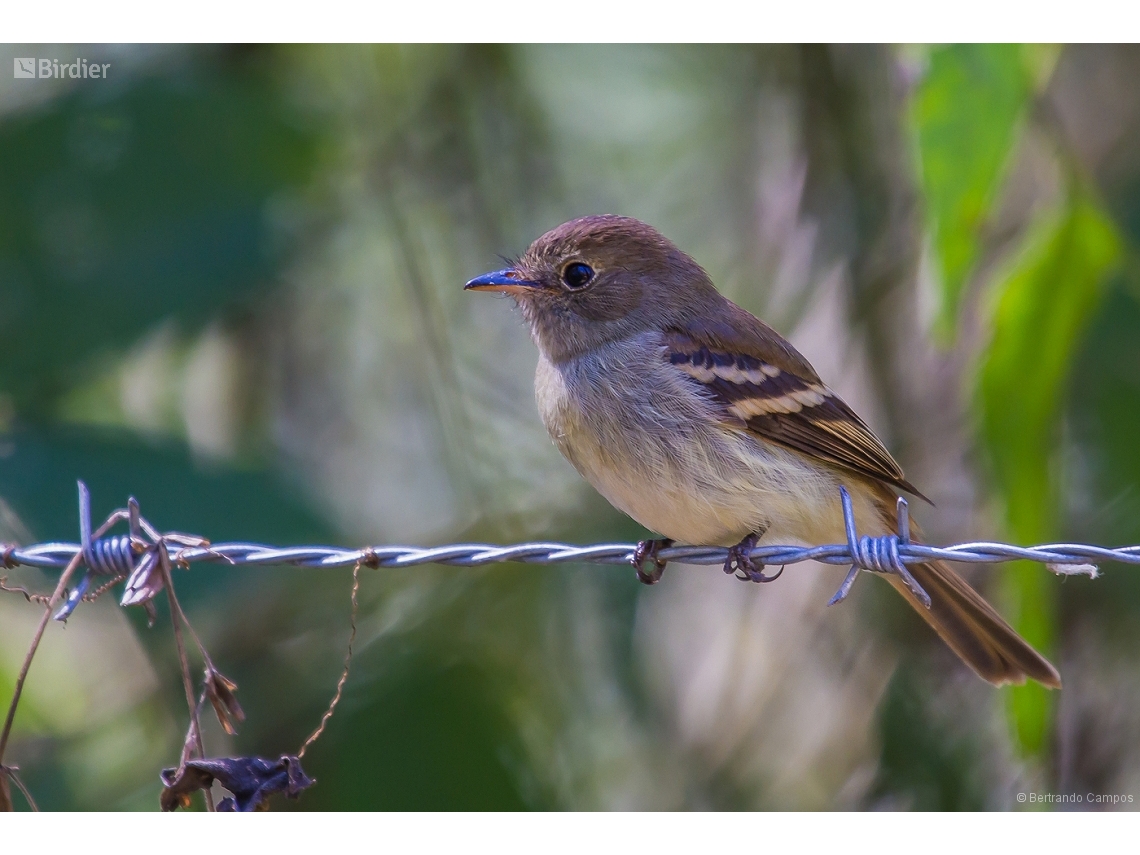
[765,386]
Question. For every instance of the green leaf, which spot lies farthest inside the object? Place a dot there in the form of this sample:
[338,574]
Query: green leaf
[1043,308]
[966,112]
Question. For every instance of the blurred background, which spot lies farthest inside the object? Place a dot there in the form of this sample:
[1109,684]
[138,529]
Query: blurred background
[230,285]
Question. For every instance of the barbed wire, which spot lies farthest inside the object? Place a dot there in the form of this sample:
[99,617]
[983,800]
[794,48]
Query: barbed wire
[135,555]
[143,558]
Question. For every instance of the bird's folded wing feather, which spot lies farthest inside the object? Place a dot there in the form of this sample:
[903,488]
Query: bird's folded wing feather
[765,386]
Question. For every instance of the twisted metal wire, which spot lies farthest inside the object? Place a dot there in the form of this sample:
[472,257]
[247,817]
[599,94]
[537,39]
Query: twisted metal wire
[119,554]
[57,555]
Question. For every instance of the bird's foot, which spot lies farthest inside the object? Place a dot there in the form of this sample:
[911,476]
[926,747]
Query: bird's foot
[741,563]
[647,551]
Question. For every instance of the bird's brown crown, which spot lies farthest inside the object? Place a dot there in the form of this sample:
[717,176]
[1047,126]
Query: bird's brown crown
[610,244]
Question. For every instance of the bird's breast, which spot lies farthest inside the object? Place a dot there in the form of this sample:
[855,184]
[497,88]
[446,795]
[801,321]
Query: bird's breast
[648,439]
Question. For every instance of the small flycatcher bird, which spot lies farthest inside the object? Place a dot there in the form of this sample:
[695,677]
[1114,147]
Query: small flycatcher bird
[703,424]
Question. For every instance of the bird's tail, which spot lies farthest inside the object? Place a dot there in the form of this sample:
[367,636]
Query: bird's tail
[971,626]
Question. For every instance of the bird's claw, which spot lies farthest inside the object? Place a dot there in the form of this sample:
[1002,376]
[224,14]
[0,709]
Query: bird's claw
[647,550]
[741,564]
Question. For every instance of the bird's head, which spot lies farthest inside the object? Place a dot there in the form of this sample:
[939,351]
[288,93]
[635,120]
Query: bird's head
[600,279]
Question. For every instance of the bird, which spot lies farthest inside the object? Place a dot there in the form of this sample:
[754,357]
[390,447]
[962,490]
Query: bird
[703,424]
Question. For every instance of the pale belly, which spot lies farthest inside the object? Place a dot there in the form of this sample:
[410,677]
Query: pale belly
[655,451]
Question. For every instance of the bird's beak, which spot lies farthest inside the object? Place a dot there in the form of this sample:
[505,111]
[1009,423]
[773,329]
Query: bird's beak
[508,281]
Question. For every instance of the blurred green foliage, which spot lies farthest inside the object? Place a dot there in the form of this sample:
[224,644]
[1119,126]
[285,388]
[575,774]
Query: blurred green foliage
[929,768]
[1043,309]
[120,211]
[229,286]
[966,111]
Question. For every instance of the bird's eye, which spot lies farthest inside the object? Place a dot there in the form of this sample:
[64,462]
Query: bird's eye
[577,275]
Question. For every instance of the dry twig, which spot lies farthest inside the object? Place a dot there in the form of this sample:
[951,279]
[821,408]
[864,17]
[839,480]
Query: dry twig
[344,673]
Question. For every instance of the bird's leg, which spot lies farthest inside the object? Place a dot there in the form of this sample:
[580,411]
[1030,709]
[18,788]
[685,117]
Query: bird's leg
[647,550]
[740,559]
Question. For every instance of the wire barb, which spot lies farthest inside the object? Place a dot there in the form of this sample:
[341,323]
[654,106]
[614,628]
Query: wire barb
[877,554]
